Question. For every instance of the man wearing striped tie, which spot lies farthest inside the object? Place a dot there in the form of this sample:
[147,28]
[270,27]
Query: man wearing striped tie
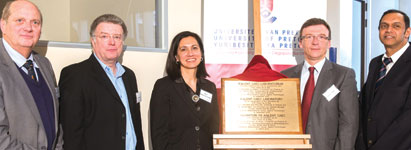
[385,122]
[29,106]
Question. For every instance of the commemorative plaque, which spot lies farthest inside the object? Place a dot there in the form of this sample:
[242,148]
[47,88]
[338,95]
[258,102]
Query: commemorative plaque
[269,107]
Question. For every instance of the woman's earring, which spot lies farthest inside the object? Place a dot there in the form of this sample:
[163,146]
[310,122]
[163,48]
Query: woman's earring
[202,58]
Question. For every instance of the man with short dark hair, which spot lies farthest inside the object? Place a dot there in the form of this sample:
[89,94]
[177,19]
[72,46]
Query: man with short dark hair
[100,106]
[329,93]
[28,91]
[386,95]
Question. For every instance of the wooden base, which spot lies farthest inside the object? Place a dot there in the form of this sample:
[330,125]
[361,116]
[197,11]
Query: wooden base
[261,141]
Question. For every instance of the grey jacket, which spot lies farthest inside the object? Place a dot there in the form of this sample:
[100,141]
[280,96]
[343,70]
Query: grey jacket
[21,126]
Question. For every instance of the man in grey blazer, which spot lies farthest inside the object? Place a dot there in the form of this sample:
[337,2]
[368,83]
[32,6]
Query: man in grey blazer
[331,106]
[28,90]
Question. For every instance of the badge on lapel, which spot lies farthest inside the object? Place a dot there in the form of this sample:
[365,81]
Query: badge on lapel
[206,96]
[331,92]
[138,96]
[57,92]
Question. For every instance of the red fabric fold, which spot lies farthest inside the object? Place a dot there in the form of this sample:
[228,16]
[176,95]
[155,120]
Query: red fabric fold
[259,70]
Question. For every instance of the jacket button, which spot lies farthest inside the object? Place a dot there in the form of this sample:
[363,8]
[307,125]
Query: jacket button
[198,108]
[369,119]
[197,128]
[369,142]
[123,137]
[123,115]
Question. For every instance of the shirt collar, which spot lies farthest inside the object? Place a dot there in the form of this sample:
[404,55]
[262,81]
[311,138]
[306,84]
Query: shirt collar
[120,68]
[18,59]
[397,54]
[318,66]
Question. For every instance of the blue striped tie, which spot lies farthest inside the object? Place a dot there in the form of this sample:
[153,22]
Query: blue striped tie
[30,69]
[382,72]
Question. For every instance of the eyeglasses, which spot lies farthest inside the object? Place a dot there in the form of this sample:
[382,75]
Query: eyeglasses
[106,37]
[318,37]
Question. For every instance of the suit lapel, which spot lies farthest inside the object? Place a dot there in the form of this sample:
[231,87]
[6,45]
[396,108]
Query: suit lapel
[129,89]
[395,70]
[324,80]
[297,71]
[19,82]
[101,77]
[373,74]
[181,90]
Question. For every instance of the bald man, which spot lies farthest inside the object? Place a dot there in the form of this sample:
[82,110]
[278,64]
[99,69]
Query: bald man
[28,93]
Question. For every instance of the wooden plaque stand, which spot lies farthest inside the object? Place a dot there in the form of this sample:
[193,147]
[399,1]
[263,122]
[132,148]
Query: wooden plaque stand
[261,141]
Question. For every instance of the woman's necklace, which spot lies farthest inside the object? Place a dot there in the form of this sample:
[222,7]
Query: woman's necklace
[194,96]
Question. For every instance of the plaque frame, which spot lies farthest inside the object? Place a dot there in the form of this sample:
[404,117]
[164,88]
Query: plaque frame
[295,81]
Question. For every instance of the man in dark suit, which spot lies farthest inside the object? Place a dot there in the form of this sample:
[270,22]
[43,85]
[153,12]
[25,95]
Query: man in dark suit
[386,95]
[100,106]
[28,89]
[329,103]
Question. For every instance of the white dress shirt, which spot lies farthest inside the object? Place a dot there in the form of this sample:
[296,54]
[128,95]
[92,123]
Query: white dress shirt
[395,57]
[305,74]
[19,59]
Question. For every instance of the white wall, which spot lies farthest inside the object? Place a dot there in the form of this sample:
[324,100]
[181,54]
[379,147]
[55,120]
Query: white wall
[405,5]
[184,15]
[55,27]
[339,17]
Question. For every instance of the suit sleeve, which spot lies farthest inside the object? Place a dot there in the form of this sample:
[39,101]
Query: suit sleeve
[348,107]
[72,109]
[6,141]
[215,124]
[59,137]
[159,116]
[398,134]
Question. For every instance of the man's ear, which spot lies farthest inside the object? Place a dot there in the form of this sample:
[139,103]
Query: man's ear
[93,42]
[407,33]
[2,25]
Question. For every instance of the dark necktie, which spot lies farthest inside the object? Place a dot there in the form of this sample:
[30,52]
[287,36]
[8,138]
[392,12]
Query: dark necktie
[30,69]
[307,97]
[382,71]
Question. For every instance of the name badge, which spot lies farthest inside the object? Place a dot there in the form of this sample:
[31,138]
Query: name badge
[331,93]
[138,96]
[57,92]
[206,96]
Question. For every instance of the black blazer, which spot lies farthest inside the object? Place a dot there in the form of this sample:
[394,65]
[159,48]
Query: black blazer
[176,123]
[386,114]
[92,114]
